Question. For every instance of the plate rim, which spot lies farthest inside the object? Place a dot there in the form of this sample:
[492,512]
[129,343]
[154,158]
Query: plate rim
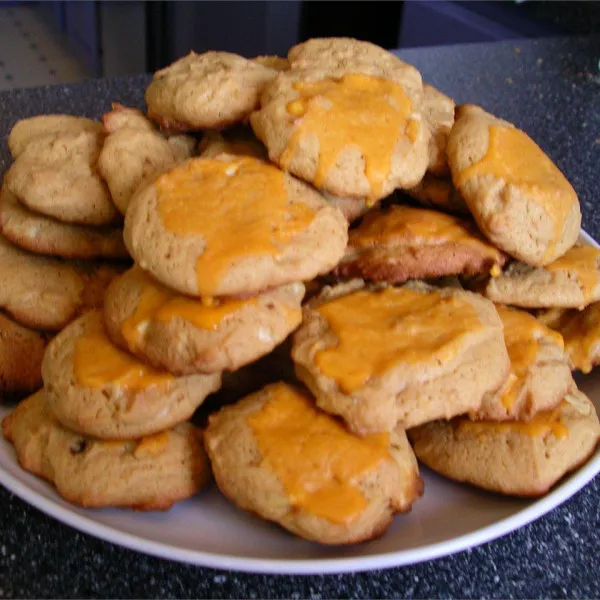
[310,566]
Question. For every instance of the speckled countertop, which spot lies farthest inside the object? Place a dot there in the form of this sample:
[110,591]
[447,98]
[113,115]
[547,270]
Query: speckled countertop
[550,88]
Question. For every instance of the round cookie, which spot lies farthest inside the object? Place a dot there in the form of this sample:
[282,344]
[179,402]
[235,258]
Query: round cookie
[21,353]
[206,91]
[438,192]
[275,454]
[539,374]
[26,130]
[580,330]
[401,242]
[46,293]
[232,226]
[572,281]
[235,141]
[183,336]
[134,151]
[272,61]
[96,389]
[351,208]
[348,133]
[512,457]
[438,111]
[43,235]
[56,175]
[151,473]
[520,200]
[385,357]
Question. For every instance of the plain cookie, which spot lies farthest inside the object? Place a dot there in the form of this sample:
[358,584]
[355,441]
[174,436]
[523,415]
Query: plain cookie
[440,193]
[438,110]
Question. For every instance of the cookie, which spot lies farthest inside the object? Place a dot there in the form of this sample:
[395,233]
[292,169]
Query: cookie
[572,281]
[184,336]
[43,235]
[438,111]
[520,200]
[26,130]
[272,61]
[96,389]
[134,151]
[438,192]
[401,242]
[512,457]
[56,176]
[46,293]
[206,91]
[580,330]
[232,226]
[539,372]
[385,357]
[276,455]
[235,141]
[348,133]
[151,473]
[351,208]
[21,353]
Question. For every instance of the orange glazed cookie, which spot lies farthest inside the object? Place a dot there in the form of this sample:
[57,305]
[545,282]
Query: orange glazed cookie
[231,226]
[401,242]
[206,91]
[539,373]
[438,110]
[275,454]
[151,473]
[397,357]
[21,353]
[512,457]
[518,197]
[43,235]
[572,281]
[134,151]
[183,335]
[350,134]
[96,389]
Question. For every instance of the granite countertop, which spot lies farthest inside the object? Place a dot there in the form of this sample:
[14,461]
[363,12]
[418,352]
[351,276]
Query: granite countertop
[550,88]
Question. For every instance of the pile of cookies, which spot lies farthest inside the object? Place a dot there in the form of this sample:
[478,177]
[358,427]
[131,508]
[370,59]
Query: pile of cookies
[416,262]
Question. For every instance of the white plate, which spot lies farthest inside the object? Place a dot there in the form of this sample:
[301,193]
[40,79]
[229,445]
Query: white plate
[209,531]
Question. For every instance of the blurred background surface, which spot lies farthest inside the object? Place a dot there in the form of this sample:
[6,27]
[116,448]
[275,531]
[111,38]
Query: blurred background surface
[62,41]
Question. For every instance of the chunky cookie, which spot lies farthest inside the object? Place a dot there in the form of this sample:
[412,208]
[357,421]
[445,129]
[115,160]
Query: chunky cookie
[512,457]
[519,198]
[236,141]
[272,61]
[401,242]
[231,226]
[539,374]
[349,133]
[351,208]
[438,111]
[438,192]
[46,293]
[96,389]
[151,473]
[580,330]
[26,130]
[56,175]
[21,353]
[184,335]
[572,281]
[275,454]
[397,357]
[134,151]
[44,235]
[206,91]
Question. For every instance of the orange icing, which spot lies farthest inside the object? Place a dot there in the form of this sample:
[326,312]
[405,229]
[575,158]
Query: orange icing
[97,362]
[159,303]
[369,113]
[522,333]
[541,425]
[514,157]
[582,261]
[240,209]
[433,227]
[315,458]
[378,330]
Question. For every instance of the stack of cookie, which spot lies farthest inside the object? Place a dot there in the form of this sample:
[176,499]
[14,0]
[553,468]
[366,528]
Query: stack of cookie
[421,337]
